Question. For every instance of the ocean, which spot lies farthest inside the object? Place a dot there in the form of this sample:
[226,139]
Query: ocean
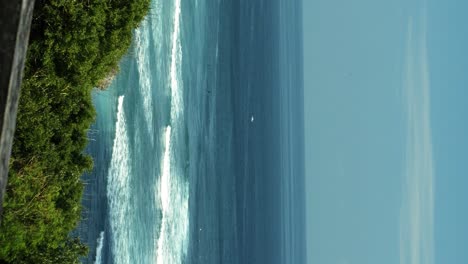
[198,142]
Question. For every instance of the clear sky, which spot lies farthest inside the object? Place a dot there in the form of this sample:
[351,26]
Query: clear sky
[386,117]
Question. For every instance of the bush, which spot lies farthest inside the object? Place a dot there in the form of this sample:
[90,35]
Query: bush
[74,45]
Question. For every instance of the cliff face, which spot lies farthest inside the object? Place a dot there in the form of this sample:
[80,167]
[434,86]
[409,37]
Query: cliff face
[15,21]
[104,83]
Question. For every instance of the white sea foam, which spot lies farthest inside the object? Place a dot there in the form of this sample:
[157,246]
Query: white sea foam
[118,192]
[142,46]
[100,244]
[172,241]
[157,23]
[175,71]
[171,245]
[165,179]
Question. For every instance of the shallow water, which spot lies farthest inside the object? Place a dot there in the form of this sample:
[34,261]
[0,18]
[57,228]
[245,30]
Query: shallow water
[182,174]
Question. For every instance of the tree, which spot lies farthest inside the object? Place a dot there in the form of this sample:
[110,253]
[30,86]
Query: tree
[73,46]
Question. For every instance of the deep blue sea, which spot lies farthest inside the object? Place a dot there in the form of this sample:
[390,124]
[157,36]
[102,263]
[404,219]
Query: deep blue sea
[198,143]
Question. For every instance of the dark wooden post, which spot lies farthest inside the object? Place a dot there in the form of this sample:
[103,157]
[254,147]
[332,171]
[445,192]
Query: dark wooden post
[15,22]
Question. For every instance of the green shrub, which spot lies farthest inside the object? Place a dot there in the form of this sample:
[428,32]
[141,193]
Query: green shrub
[74,45]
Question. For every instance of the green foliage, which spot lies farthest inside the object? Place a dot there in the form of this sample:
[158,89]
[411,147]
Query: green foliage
[74,45]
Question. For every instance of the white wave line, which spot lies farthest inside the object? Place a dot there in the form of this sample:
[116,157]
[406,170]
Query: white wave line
[100,245]
[157,30]
[143,65]
[165,180]
[172,241]
[171,244]
[176,56]
[117,189]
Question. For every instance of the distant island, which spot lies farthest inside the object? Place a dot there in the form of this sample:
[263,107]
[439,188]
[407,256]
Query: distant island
[75,46]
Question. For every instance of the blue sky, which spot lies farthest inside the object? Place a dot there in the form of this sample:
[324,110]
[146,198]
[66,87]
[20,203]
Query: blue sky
[386,117]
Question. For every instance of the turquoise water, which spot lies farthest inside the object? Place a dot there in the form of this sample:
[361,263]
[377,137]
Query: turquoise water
[190,141]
